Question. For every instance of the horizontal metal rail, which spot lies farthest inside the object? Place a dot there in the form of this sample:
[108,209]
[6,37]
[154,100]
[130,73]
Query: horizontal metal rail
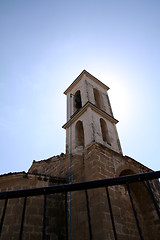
[81,186]
[66,188]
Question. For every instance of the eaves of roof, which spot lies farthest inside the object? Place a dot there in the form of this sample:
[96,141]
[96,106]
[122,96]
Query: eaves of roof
[77,114]
[84,72]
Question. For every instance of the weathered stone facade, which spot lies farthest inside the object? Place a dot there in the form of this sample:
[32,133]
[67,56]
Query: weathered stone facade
[100,162]
[89,115]
[93,145]
[55,223]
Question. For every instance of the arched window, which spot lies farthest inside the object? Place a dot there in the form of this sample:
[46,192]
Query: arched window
[79,134]
[126,172]
[77,100]
[104,131]
[97,98]
[142,203]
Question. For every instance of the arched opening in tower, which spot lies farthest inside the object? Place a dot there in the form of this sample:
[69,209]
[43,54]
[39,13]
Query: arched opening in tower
[77,100]
[97,98]
[79,134]
[104,130]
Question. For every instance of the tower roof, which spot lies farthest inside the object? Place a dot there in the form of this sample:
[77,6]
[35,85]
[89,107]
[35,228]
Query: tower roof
[84,72]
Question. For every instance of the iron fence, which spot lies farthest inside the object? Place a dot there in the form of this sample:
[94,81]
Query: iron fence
[85,186]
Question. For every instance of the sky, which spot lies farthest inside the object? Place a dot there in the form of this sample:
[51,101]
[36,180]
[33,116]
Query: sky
[45,45]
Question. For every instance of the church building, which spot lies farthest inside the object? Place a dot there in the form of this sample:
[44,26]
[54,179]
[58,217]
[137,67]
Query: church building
[93,152]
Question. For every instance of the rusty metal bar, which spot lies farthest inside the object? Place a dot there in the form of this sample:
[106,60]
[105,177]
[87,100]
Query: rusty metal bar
[66,215]
[22,221]
[44,217]
[88,214]
[153,198]
[111,214]
[3,215]
[135,212]
[80,186]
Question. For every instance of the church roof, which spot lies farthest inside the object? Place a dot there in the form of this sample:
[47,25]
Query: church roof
[84,72]
[33,175]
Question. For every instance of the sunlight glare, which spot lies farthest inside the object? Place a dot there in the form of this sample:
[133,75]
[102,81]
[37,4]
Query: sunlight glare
[120,98]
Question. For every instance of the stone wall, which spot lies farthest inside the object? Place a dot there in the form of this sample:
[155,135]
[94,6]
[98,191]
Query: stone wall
[55,217]
[99,162]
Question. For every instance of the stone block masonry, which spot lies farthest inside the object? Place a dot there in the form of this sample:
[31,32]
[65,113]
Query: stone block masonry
[100,162]
[33,222]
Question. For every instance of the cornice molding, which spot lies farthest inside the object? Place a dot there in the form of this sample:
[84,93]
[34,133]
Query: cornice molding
[77,114]
[84,72]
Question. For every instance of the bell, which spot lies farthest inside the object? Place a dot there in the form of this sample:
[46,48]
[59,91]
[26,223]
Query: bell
[78,102]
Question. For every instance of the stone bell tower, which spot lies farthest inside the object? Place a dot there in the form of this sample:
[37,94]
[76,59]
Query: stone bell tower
[89,115]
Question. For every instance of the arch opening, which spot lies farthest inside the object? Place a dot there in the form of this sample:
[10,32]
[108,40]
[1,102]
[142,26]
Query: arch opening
[126,172]
[79,134]
[104,130]
[142,202]
[97,98]
[77,101]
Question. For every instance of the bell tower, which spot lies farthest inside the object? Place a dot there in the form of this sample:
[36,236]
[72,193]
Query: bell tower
[89,115]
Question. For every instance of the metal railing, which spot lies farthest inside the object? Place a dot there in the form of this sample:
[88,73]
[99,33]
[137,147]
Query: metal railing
[85,186]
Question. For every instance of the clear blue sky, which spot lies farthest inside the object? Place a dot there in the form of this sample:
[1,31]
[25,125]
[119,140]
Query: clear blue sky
[44,46]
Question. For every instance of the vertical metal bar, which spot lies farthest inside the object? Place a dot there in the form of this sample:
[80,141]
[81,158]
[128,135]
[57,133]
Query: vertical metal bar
[66,215]
[44,218]
[70,216]
[153,198]
[135,212]
[70,138]
[111,214]
[88,213]
[3,215]
[22,221]
[70,166]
